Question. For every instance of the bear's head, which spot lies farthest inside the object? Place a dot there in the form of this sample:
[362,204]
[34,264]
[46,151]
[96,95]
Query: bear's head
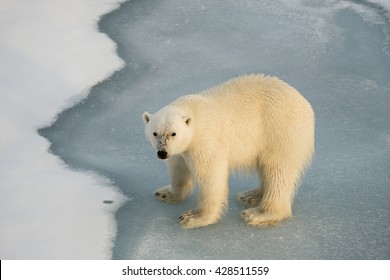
[169,131]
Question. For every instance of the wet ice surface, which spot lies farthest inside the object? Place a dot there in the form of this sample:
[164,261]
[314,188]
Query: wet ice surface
[336,53]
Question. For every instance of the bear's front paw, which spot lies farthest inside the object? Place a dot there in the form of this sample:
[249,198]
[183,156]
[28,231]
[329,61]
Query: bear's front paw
[165,194]
[195,218]
[256,217]
[250,198]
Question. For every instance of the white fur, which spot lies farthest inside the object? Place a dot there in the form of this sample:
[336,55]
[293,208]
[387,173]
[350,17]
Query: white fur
[249,123]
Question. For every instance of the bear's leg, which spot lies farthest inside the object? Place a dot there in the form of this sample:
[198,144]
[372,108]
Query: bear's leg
[213,199]
[181,182]
[278,187]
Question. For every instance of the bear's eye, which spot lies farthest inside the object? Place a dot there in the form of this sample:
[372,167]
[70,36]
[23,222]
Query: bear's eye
[173,134]
[155,134]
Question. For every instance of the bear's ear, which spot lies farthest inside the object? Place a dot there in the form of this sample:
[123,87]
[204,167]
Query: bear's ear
[187,120]
[146,116]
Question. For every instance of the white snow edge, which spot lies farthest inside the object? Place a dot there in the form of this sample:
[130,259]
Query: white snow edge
[51,51]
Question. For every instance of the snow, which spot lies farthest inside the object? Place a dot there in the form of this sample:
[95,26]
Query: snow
[336,53]
[50,53]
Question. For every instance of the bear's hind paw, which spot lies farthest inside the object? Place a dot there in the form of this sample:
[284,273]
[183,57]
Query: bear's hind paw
[250,198]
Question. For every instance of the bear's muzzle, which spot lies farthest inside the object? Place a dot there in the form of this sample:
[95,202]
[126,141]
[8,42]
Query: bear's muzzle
[162,154]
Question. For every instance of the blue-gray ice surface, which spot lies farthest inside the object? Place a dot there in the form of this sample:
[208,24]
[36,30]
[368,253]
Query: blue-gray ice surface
[336,53]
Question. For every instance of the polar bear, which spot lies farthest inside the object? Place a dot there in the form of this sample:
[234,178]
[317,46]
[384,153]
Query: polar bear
[253,122]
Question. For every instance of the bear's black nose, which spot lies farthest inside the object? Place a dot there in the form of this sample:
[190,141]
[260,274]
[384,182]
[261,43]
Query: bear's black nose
[162,154]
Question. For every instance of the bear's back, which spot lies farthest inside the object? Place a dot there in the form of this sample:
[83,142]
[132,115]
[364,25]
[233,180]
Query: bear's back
[249,115]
